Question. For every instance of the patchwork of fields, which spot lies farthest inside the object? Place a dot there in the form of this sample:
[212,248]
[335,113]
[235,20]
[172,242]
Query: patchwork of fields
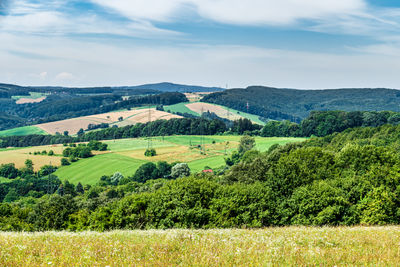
[126,155]
[196,108]
[118,118]
[289,246]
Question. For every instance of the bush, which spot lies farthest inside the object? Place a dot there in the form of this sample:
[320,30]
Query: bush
[150,152]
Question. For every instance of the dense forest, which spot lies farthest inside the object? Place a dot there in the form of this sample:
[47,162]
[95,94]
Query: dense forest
[295,105]
[346,178]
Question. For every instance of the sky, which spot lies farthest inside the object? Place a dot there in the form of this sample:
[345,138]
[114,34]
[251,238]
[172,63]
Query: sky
[305,44]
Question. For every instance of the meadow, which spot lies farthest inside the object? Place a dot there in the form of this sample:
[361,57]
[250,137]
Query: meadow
[26,130]
[289,246]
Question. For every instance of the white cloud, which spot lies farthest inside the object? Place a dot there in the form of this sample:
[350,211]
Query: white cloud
[76,63]
[65,77]
[249,12]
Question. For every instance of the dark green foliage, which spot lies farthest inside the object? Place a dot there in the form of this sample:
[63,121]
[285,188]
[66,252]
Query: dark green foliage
[65,162]
[46,170]
[9,171]
[146,172]
[150,152]
[246,143]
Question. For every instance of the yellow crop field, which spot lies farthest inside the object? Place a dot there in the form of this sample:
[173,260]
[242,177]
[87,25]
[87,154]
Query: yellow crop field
[291,246]
[19,156]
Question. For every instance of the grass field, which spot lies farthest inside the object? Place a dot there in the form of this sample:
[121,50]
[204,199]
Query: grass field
[181,107]
[89,171]
[33,95]
[293,246]
[26,130]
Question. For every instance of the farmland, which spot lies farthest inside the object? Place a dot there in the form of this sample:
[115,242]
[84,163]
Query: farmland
[26,130]
[289,246]
[195,108]
[118,118]
[126,155]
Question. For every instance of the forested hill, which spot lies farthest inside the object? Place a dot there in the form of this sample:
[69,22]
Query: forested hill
[172,87]
[8,90]
[295,105]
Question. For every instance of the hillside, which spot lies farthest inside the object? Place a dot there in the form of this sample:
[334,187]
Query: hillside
[172,87]
[295,105]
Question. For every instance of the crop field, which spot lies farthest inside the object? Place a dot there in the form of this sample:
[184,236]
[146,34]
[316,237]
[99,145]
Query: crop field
[129,117]
[32,98]
[195,108]
[26,130]
[290,246]
[18,156]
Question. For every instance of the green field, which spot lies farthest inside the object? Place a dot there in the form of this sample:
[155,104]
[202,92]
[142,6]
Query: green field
[89,171]
[26,130]
[126,155]
[286,246]
[180,107]
[33,95]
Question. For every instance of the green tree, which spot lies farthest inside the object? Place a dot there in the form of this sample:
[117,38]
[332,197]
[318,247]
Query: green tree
[246,143]
[180,170]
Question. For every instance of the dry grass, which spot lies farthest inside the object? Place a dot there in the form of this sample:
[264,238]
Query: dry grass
[30,100]
[130,117]
[221,112]
[180,153]
[294,246]
[19,156]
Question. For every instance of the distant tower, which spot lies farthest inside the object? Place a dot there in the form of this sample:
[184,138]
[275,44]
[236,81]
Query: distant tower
[149,143]
[247,106]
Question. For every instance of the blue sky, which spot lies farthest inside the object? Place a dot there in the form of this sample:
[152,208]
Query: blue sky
[285,43]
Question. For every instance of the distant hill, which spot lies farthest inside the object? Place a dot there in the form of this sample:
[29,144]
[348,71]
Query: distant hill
[295,105]
[172,87]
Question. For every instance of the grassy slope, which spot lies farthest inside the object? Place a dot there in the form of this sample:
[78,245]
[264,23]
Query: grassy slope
[33,95]
[288,246]
[181,107]
[89,171]
[26,130]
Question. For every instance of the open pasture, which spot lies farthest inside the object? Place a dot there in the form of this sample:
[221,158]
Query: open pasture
[288,246]
[21,131]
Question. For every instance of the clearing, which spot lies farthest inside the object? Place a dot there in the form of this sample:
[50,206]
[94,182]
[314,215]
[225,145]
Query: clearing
[287,246]
[20,131]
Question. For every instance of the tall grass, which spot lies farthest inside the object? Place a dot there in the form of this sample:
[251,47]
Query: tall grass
[293,246]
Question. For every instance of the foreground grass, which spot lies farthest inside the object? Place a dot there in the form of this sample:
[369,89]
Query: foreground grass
[293,246]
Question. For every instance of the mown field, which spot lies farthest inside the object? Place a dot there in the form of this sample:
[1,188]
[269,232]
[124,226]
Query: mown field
[26,130]
[291,246]
[194,108]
